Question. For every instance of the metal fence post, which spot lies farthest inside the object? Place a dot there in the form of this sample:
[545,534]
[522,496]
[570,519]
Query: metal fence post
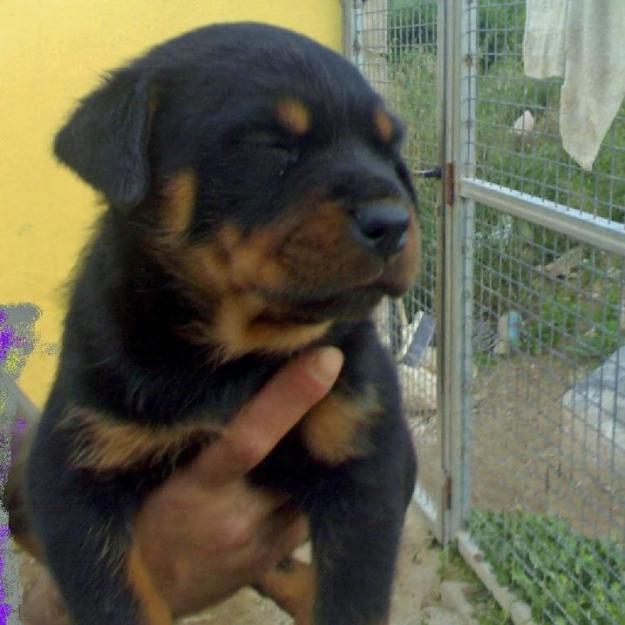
[457,215]
[347,25]
[441,273]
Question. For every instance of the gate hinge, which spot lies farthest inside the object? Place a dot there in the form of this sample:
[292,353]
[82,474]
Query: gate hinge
[447,492]
[449,184]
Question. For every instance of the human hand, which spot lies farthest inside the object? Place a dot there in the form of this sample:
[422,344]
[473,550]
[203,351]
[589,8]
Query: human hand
[205,532]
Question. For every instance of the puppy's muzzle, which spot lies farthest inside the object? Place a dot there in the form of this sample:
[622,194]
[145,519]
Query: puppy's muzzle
[381,227]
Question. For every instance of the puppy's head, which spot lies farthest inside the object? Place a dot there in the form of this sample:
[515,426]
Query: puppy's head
[266,176]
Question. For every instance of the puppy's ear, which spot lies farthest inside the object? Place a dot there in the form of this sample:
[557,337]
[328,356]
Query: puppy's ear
[105,141]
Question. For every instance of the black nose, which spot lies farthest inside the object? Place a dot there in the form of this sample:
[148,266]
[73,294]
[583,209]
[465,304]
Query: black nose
[382,227]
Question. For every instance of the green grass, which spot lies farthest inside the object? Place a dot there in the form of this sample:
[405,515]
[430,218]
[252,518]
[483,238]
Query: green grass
[486,609]
[563,576]
[587,331]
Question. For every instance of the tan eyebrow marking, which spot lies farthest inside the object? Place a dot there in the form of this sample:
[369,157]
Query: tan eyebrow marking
[384,125]
[179,199]
[294,115]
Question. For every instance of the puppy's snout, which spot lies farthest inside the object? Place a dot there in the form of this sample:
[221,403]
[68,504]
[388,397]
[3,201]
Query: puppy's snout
[382,227]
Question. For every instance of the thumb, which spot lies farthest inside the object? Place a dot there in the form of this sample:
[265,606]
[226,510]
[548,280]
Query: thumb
[258,427]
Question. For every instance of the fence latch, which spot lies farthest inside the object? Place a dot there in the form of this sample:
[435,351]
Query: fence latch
[436,172]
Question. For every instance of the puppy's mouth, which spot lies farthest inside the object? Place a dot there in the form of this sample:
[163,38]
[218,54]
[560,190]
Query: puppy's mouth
[335,294]
[349,303]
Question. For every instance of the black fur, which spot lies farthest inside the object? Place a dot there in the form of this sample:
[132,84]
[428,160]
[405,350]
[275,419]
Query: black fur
[197,103]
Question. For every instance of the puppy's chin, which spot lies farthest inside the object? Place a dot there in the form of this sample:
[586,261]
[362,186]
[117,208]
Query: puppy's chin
[348,305]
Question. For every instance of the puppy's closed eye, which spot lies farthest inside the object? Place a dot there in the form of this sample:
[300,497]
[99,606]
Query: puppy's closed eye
[273,146]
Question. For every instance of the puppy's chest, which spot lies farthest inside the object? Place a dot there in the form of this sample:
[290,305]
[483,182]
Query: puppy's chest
[334,431]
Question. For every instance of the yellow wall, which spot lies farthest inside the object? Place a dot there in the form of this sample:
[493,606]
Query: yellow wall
[51,53]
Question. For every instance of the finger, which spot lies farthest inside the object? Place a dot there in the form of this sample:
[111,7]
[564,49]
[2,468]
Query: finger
[295,535]
[281,536]
[267,502]
[252,518]
[263,421]
[42,603]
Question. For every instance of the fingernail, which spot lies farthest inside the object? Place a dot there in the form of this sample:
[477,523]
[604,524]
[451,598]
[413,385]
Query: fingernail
[326,364]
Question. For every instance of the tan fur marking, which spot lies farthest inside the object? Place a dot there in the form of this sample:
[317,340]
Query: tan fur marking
[253,261]
[155,610]
[293,589]
[322,252]
[232,261]
[178,201]
[229,237]
[334,431]
[403,270]
[384,125]
[104,445]
[412,252]
[203,270]
[294,115]
[224,273]
[239,328]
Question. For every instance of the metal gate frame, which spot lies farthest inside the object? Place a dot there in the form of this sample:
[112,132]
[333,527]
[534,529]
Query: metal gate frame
[460,191]
[462,196]
[455,304]
[464,191]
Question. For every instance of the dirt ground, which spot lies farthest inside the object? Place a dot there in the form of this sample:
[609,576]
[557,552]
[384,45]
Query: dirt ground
[530,452]
[417,589]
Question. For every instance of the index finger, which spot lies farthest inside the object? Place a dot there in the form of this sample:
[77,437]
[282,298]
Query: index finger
[268,416]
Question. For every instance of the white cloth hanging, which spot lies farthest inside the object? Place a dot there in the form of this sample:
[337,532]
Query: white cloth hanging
[584,42]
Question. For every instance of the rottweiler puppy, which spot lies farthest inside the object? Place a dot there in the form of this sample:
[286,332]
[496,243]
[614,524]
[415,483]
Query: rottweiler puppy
[257,206]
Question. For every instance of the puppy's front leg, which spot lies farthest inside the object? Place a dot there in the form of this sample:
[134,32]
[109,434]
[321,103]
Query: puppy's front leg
[356,520]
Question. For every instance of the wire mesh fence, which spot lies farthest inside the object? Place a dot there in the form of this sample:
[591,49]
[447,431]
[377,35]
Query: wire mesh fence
[516,135]
[397,48]
[545,320]
[548,444]
[548,381]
